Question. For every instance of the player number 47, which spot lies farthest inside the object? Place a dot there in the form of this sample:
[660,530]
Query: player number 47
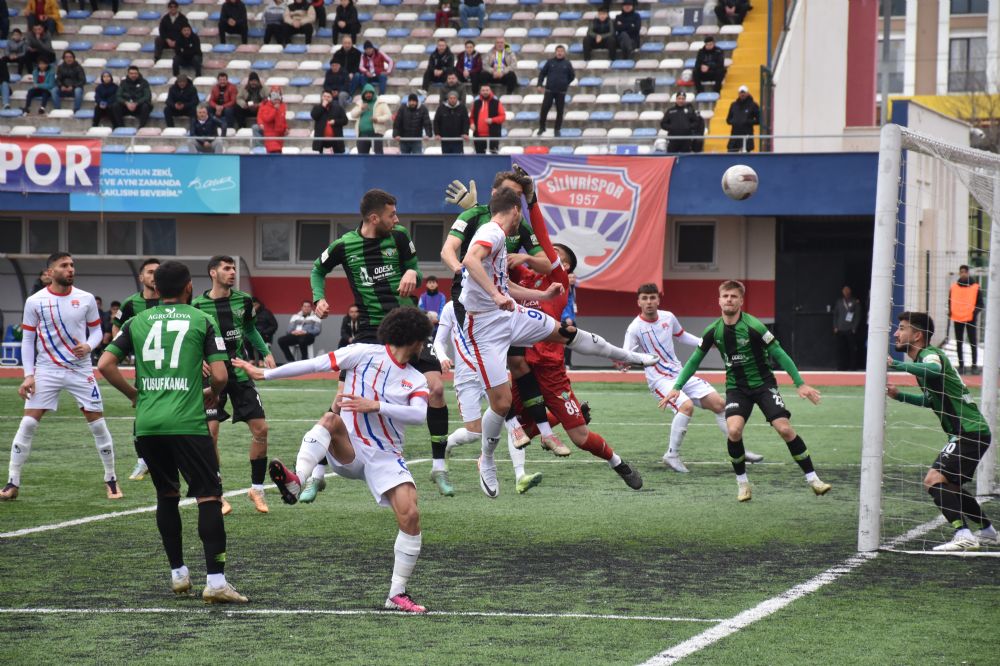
[152,348]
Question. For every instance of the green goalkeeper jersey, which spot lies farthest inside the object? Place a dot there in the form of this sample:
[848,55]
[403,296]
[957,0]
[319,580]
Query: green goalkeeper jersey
[374,269]
[943,391]
[236,322]
[169,343]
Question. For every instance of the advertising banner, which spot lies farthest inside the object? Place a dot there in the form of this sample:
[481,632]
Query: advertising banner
[52,166]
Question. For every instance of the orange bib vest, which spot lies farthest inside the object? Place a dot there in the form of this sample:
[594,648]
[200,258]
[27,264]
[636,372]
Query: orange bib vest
[963,301]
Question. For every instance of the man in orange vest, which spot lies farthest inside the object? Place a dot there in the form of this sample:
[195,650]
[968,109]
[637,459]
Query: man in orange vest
[965,300]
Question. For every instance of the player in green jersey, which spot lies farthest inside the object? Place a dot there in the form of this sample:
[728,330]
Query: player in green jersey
[170,343]
[146,297]
[968,432]
[745,345]
[232,312]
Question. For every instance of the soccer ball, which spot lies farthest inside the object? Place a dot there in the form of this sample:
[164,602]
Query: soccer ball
[739,182]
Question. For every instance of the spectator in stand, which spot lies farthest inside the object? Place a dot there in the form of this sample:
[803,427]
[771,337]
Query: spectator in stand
[442,17]
[628,23]
[233,20]
[731,12]
[187,51]
[17,50]
[558,73]
[182,100]
[41,282]
[487,119]
[303,328]
[133,99]
[38,48]
[44,13]
[451,121]
[329,119]
[709,65]
[272,121]
[681,120]
[105,324]
[743,115]
[499,67]
[337,82]
[299,19]
[267,326]
[349,58]
[249,102]
[345,21]
[222,101]
[475,8]
[439,63]
[432,300]
[469,65]
[451,83]
[70,80]
[412,123]
[349,326]
[375,68]
[373,117]
[170,29]
[205,132]
[5,85]
[44,81]
[274,23]
[600,35]
[105,94]
[319,6]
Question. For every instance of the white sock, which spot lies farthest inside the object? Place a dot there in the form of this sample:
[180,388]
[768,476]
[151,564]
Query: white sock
[407,551]
[990,532]
[615,460]
[742,478]
[720,418]
[517,456]
[319,472]
[512,423]
[180,573]
[492,426]
[437,465]
[463,436]
[258,487]
[594,345]
[964,533]
[216,580]
[105,447]
[678,428]
[315,444]
[142,462]
[811,476]
[21,447]
[544,429]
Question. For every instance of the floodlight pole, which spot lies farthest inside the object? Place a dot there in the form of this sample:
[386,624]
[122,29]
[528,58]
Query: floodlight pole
[986,477]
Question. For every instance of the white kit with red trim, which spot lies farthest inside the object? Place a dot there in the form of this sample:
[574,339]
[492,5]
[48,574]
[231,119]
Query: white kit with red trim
[59,323]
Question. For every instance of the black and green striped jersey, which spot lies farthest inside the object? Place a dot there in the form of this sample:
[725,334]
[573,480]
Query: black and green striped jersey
[132,306]
[745,348]
[944,392]
[234,320]
[374,269]
[465,226]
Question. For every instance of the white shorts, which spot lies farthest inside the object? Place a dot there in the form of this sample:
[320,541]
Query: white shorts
[48,384]
[382,470]
[469,390]
[694,390]
[491,334]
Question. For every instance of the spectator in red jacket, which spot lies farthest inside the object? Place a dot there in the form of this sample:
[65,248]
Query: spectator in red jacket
[272,122]
[375,68]
[486,119]
[222,101]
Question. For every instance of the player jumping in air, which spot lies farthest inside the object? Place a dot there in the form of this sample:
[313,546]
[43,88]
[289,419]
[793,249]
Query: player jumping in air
[745,343]
[653,332]
[494,322]
[383,395]
[968,432]
[62,321]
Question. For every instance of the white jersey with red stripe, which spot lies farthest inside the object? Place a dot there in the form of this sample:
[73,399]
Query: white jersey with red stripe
[657,337]
[60,322]
[473,297]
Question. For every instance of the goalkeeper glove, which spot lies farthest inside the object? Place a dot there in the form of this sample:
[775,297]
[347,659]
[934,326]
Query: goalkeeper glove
[459,195]
[529,189]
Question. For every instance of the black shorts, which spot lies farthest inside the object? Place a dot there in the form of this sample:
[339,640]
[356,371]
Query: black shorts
[960,456]
[191,455]
[246,403]
[426,362]
[516,351]
[740,403]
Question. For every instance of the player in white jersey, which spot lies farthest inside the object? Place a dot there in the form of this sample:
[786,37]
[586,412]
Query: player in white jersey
[494,322]
[382,395]
[654,332]
[61,326]
[469,390]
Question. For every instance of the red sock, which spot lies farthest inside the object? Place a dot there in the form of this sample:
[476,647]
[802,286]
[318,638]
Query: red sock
[553,421]
[597,446]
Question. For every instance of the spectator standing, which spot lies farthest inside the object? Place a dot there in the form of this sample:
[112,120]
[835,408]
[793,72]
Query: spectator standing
[70,80]
[17,50]
[487,118]
[266,325]
[375,68]
[743,115]
[182,100]
[470,8]
[846,319]
[432,300]
[44,81]
[439,63]
[499,66]
[709,65]
[233,20]
[274,23]
[44,13]
[337,82]
[469,65]
[170,29]
[299,19]
[134,99]
[600,35]
[558,73]
[249,102]
[965,302]
[731,12]
[205,132]
[187,51]
[329,119]
[38,47]
[681,120]
[568,316]
[271,120]
[628,25]
[412,123]
[451,124]
[451,82]
[373,117]
[222,100]
[346,22]
[303,328]
[349,327]
[105,94]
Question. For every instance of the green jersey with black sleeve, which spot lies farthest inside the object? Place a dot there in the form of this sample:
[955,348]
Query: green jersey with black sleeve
[374,269]
[236,322]
[132,306]
[169,343]
[943,391]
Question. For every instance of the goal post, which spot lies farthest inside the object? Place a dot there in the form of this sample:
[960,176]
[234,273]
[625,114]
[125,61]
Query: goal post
[895,263]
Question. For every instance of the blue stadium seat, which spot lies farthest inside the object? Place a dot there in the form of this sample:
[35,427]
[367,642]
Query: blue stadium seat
[398,32]
[516,48]
[572,132]
[203,97]
[10,113]
[156,80]
[303,115]
[84,114]
[252,3]
[527,116]
[625,150]
[148,47]
[644,14]
[689,63]
[725,46]
[223,48]
[666,81]
[682,31]
[296,48]
[531,2]
[643,132]
[601,116]
[363,17]
[259,150]
[78,14]
[91,78]
[118,63]
[15,77]
[11,12]
[500,16]
[591,82]
[324,33]
[426,16]
[707,97]
[185,2]
[633,98]
[80,46]
[350,133]
[149,15]
[570,16]
[468,33]
[262,65]
[406,65]
[115,30]
[539,32]
[112,148]
[301,81]
[576,47]
[215,16]
[623,64]
[652,47]
[48,130]
[124,131]
[390,3]
[158,115]
[430,48]
[561,150]
[258,33]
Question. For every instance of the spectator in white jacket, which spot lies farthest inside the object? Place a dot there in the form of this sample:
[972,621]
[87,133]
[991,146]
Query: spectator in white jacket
[303,328]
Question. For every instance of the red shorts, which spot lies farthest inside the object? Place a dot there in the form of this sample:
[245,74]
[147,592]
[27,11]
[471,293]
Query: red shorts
[557,394]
